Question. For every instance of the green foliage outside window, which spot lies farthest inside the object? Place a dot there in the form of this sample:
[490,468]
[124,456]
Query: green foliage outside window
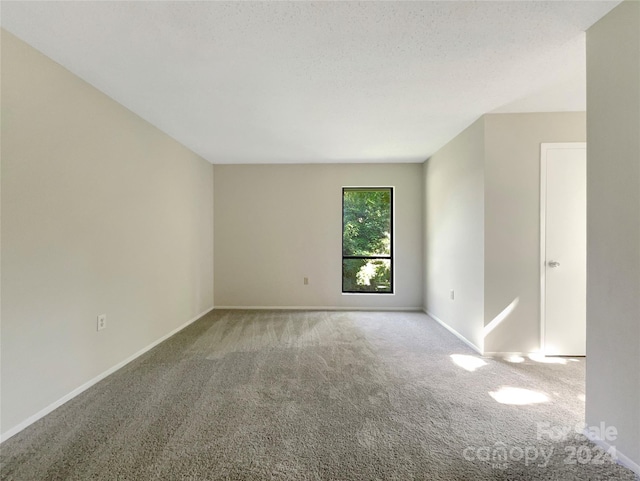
[366,240]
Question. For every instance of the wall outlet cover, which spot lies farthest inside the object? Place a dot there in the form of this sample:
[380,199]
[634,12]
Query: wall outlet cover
[102,322]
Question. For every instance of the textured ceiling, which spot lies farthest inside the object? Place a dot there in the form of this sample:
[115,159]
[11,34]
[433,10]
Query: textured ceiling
[280,82]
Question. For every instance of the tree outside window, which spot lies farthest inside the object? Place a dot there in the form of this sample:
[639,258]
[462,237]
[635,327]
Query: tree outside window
[367,240]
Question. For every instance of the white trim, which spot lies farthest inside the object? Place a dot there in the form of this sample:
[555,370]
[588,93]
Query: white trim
[454,332]
[543,243]
[43,412]
[544,148]
[390,294]
[510,353]
[620,458]
[320,308]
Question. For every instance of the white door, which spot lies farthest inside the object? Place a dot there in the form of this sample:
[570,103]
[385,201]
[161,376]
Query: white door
[563,248]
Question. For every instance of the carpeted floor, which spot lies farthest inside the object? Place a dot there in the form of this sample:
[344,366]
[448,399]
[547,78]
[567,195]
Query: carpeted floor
[261,395]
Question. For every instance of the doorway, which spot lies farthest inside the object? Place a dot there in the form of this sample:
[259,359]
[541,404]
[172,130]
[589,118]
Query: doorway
[563,241]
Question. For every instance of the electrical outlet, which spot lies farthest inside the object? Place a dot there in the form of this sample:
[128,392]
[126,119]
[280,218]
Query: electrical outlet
[306,281]
[102,322]
[452,294]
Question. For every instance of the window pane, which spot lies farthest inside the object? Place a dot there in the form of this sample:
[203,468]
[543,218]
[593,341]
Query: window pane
[366,222]
[366,275]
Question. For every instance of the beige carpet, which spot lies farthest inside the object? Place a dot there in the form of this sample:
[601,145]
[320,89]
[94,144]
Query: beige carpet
[261,395]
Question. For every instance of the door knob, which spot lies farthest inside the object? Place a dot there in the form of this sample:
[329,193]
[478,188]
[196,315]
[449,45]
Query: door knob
[553,264]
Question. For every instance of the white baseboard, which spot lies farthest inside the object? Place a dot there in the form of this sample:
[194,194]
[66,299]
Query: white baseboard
[620,458]
[454,332]
[508,353]
[319,308]
[43,412]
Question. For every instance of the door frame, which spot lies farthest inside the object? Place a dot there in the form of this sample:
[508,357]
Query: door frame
[544,148]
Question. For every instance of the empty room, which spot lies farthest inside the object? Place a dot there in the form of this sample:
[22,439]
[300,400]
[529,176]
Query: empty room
[320,240]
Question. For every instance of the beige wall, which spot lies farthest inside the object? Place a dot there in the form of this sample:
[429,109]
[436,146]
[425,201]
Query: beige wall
[101,213]
[276,224]
[512,221]
[482,227]
[613,227]
[454,234]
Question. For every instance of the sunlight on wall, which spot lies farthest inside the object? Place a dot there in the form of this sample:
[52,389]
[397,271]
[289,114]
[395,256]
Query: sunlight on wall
[470,363]
[518,396]
[500,317]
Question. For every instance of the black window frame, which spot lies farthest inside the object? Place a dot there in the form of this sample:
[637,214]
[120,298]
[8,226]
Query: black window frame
[390,257]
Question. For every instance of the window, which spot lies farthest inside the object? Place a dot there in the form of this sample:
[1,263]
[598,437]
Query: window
[367,240]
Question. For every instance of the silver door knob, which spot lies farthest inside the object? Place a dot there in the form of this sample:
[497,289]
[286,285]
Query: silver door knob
[553,264]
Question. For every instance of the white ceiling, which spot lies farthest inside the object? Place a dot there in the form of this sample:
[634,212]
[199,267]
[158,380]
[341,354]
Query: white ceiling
[296,82]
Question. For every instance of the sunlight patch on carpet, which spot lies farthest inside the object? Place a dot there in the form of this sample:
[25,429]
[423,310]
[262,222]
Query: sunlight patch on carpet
[470,363]
[518,396]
